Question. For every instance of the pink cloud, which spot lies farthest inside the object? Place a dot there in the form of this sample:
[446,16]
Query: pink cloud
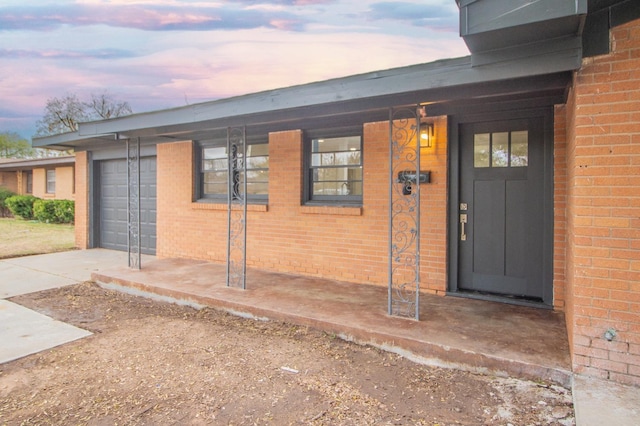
[146,17]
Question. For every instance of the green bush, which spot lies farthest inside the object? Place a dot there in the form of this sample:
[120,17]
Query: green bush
[65,211]
[21,205]
[4,194]
[54,211]
[44,211]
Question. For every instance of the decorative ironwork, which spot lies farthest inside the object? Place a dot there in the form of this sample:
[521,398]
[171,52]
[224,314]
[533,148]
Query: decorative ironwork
[133,203]
[404,213]
[237,208]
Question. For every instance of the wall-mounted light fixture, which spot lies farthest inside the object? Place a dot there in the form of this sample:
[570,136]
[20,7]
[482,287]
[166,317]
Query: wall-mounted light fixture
[427,138]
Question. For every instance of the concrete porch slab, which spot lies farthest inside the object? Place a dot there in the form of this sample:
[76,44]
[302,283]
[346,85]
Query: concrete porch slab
[25,332]
[473,335]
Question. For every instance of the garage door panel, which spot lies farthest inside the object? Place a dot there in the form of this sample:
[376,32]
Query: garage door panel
[148,191]
[112,204]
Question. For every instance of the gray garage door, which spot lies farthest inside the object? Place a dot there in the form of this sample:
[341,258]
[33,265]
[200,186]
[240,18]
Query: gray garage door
[112,204]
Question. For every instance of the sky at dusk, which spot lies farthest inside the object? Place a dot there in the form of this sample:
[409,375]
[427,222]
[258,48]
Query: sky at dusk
[159,54]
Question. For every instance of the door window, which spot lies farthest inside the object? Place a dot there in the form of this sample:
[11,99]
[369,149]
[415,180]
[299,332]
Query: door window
[501,149]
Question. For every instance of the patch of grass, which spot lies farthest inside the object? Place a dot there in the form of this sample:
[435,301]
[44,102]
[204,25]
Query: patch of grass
[22,238]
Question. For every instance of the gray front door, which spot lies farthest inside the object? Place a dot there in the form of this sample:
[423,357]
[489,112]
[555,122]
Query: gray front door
[502,208]
[112,205]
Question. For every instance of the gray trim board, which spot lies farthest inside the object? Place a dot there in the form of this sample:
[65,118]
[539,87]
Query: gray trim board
[29,164]
[368,93]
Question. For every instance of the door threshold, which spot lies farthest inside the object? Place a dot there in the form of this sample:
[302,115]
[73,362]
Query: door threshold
[500,299]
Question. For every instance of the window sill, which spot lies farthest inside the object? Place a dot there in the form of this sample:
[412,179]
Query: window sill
[332,210]
[224,207]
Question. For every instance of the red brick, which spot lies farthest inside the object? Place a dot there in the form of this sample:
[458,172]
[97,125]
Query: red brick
[603,198]
[313,232]
[607,365]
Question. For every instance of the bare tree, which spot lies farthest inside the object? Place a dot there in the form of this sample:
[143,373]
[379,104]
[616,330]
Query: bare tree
[104,106]
[62,115]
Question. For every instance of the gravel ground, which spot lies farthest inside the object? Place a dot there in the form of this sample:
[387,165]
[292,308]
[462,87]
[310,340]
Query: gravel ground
[153,363]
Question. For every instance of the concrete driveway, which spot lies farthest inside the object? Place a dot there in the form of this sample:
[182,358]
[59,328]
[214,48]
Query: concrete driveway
[23,331]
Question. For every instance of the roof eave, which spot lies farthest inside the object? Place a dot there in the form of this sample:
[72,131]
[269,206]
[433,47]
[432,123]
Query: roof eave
[26,164]
[386,86]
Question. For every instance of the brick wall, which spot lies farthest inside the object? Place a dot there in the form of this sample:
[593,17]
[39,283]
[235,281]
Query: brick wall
[9,180]
[39,183]
[82,200]
[603,256]
[345,243]
[65,185]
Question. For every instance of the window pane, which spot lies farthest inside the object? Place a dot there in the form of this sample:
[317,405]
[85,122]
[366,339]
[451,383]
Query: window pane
[334,173]
[336,159]
[355,188]
[258,175]
[214,171]
[337,188]
[481,145]
[217,152]
[319,160]
[257,163]
[330,188]
[258,182]
[336,166]
[29,182]
[257,188]
[500,149]
[51,181]
[347,143]
[215,189]
[220,164]
[338,181]
[350,157]
[519,149]
[259,150]
[215,177]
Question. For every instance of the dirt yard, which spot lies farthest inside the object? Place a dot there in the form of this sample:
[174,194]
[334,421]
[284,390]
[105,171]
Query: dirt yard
[151,363]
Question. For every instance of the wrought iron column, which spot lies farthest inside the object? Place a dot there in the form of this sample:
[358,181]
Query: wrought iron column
[404,212]
[237,208]
[133,203]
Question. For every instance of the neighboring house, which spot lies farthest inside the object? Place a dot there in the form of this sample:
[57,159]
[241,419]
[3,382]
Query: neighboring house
[47,178]
[533,194]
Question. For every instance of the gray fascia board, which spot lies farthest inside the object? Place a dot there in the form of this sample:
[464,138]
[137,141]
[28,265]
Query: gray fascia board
[482,16]
[37,162]
[64,141]
[53,140]
[374,84]
[388,84]
[567,48]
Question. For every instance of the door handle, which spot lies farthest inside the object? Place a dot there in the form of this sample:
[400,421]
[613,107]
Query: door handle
[463,221]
